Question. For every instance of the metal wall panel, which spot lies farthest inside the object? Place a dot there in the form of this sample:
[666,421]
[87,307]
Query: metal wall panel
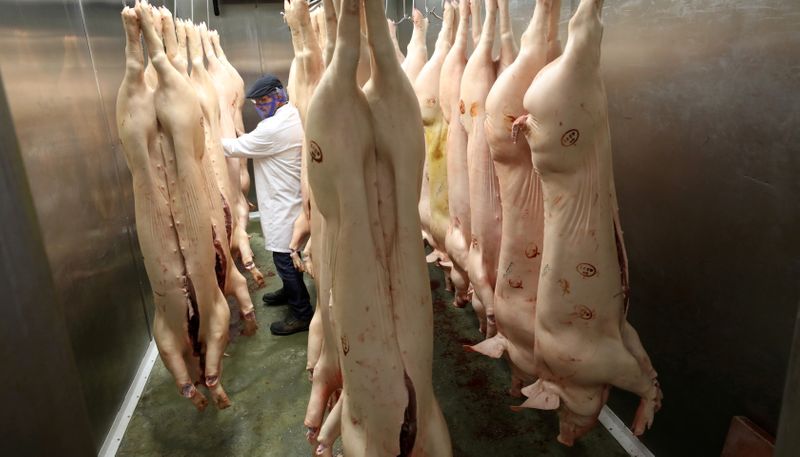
[704,112]
[85,214]
[40,387]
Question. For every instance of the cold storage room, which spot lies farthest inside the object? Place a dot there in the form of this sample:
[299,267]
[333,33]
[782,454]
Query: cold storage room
[188,269]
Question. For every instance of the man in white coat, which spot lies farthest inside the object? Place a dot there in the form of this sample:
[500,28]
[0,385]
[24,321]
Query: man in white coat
[275,147]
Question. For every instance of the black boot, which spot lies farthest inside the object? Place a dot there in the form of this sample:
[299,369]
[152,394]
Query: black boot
[289,326]
[276,298]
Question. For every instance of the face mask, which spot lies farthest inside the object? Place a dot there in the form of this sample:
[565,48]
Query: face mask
[266,109]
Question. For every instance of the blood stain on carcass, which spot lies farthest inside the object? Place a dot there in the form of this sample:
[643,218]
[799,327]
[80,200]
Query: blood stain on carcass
[345,345]
[532,251]
[515,283]
[570,137]
[461,106]
[315,151]
[587,270]
[564,286]
[473,109]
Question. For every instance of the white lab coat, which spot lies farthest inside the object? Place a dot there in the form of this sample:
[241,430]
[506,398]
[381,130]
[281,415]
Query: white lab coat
[275,146]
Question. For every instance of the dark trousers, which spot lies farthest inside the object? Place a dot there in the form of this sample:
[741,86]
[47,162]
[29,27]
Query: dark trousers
[294,289]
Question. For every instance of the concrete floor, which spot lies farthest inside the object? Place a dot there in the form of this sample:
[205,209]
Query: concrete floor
[265,378]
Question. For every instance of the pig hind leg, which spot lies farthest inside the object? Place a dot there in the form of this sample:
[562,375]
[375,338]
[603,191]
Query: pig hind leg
[651,401]
[484,293]
[624,371]
[237,286]
[169,329]
[461,284]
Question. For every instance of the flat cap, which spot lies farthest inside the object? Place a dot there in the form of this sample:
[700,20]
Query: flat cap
[264,86]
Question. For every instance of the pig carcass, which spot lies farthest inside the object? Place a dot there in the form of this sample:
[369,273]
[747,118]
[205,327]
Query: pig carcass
[457,239]
[228,92]
[162,135]
[434,214]
[484,196]
[366,189]
[583,342]
[521,197]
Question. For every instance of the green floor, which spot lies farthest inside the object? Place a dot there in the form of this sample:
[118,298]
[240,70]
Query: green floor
[265,377]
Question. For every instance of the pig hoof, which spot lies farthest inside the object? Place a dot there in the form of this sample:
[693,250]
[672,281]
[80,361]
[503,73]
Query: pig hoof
[566,440]
[200,402]
[198,399]
[222,401]
[311,435]
[188,391]
[647,410]
[250,324]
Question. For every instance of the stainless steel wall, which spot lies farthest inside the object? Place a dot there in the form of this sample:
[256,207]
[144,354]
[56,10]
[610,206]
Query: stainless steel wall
[38,364]
[705,111]
[704,116]
[61,64]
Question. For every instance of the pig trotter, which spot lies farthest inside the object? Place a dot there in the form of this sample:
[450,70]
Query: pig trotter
[311,434]
[250,323]
[648,406]
[198,399]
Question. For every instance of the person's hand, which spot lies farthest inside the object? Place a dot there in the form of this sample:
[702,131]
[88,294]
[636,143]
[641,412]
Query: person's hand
[297,260]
